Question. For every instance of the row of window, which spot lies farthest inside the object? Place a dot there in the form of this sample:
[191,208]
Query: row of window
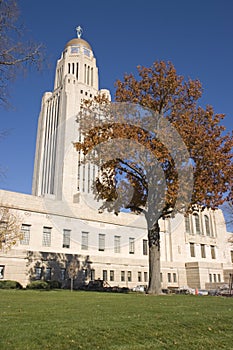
[110,275]
[214,277]
[66,243]
[196,224]
[73,68]
[203,250]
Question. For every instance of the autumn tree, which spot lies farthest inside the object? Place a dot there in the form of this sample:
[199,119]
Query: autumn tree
[16,54]
[158,151]
[10,229]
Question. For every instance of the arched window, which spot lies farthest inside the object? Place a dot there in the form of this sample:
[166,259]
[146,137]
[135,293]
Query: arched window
[197,223]
[207,225]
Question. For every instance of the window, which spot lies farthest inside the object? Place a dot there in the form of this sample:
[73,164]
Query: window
[66,238]
[122,276]
[117,244]
[129,276]
[84,245]
[187,224]
[215,278]
[232,256]
[63,274]
[174,278]
[74,49]
[101,242]
[219,277]
[105,275]
[203,255]
[192,250]
[210,278]
[145,276]
[207,225]
[38,273]
[145,246]
[111,275]
[47,274]
[197,223]
[25,229]
[2,267]
[169,277]
[131,245]
[46,240]
[139,276]
[86,52]
[212,249]
[92,276]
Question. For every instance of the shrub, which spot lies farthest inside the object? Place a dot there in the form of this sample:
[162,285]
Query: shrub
[54,284]
[8,284]
[38,285]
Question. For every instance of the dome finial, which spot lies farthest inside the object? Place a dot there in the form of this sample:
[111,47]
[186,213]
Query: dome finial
[79,31]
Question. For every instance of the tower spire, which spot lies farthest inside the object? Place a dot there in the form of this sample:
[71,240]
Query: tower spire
[79,31]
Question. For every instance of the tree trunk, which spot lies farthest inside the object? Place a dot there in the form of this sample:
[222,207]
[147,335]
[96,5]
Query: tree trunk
[154,286]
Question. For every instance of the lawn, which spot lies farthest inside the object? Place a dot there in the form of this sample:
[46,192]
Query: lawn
[61,319]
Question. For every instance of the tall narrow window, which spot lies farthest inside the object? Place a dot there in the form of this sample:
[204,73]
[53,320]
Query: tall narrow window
[117,244]
[131,245]
[68,68]
[197,223]
[25,230]
[88,75]
[129,276]
[91,76]
[192,250]
[139,276]
[105,275]
[207,225]
[66,238]
[122,276]
[38,273]
[174,278]
[84,245]
[92,276]
[46,240]
[101,242]
[210,278]
[47,274]
[111,275]
[232,256]
[212,249]
[63,274]
[85,73]
[203,255]
[145,276]
[187,224]
[145,246]
[169,277]
[77,70]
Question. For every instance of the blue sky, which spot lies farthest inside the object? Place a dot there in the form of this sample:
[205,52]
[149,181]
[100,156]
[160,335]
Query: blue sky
[196,36]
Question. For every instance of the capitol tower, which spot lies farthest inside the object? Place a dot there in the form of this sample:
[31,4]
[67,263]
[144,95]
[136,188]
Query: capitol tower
[59,172]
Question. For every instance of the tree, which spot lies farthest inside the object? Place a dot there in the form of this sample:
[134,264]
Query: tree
[10,229]
[15,53]
[72,272]
[186,162]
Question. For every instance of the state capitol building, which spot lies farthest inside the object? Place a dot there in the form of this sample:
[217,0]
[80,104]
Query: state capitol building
[61,223]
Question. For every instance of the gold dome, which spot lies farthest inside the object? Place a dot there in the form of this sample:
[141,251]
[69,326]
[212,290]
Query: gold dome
[78,41]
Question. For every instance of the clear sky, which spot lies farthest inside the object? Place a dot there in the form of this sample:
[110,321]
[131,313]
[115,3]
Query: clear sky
[196,36]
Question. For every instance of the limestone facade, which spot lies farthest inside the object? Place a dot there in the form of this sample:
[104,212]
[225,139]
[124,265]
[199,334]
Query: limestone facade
[61,223]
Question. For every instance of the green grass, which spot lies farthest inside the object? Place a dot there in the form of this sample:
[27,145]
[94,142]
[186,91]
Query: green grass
[58,320]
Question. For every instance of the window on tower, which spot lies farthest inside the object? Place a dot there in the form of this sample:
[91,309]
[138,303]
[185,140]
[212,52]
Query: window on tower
[74,49]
